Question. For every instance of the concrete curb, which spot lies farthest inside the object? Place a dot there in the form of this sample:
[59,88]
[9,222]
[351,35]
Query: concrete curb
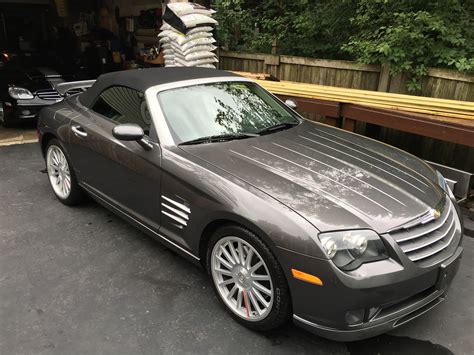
[20,141]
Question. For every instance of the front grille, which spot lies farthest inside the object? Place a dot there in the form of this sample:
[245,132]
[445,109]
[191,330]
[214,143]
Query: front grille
[74,92]
[48,94]
[430,243]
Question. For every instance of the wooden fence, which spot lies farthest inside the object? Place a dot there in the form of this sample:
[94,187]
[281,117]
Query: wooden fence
[439,83]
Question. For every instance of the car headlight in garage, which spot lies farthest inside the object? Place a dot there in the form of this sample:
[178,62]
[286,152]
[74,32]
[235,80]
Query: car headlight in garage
[19,93]
[350,249]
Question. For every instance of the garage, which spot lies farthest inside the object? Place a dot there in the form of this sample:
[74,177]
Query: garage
[195,210]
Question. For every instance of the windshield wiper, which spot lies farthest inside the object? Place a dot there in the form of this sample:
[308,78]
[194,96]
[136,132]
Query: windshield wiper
[220,138]
[278,127]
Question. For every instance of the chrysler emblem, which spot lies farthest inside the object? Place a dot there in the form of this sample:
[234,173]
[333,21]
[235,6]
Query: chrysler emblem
[435,213]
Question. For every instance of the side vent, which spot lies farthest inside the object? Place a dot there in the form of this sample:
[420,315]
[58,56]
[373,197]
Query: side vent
[178,212]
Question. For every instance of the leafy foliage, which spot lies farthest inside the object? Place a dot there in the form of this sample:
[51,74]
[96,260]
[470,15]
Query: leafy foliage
[410,35]
[413,35]
[300,27]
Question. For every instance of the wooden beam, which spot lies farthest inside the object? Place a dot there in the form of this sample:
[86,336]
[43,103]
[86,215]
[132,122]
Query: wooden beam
[320,107]
[454,131]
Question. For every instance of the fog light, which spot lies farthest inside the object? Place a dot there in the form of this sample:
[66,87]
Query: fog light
[25,112]
[373,312]
[355,317]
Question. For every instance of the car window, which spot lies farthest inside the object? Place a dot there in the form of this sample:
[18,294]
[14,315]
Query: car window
[221,108]
[124,105]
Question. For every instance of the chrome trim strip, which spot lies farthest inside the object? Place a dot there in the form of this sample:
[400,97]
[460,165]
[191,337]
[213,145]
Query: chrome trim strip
[342,172]
[324,193]
[89,189]
[175,210]
[361,160]
[162,130]
[176,218]
[325,177]
[177,204]
[63,88]
[430,183]
[433,252]
[420,234]
[374,158]
[431,241]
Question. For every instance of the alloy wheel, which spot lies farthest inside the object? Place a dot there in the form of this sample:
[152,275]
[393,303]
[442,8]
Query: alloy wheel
[58,172]
[242,278]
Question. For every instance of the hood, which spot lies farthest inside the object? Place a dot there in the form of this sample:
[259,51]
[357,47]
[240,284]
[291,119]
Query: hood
[334,179]
[34,79]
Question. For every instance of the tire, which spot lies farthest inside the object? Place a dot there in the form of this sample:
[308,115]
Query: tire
[4,120]
[276,310]
[56,155]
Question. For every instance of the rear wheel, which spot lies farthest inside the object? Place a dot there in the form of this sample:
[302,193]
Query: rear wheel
[248,279]
[61,175]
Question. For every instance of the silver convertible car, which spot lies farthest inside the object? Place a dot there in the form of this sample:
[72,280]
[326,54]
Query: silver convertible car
[292,219]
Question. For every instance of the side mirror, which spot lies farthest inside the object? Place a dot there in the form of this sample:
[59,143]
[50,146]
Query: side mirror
[131,132]
[128,132]
[291,104]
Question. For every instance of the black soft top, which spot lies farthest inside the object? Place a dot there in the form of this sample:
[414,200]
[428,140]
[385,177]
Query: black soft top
[142,79]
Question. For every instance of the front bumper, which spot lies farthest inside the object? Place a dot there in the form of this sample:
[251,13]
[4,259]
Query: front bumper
[393,315]
[21,110]
[386,293]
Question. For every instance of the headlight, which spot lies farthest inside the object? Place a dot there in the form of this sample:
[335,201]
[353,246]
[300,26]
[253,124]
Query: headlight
[19,93]
[349,249]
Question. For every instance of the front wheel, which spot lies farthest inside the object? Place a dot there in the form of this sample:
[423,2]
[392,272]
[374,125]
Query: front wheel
[248,279]
[61,175]
[4,120]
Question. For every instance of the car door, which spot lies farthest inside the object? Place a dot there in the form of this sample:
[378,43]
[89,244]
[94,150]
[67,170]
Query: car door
[123,173]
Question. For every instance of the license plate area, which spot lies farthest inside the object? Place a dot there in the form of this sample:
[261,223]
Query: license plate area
[448,270]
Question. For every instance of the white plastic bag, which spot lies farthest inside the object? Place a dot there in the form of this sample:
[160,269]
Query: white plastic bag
[199,55]
[199,29]
[194,20]
[196,42]
[181,39]
[166,27]
[199,48]
[181,9]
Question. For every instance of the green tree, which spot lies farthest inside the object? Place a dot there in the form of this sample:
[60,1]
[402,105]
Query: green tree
[413,35]
[300,27]
[410,35]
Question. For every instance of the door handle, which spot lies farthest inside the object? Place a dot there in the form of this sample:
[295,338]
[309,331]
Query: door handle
[79,131]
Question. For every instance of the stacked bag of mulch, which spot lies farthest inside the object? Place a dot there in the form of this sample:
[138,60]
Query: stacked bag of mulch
[186,36]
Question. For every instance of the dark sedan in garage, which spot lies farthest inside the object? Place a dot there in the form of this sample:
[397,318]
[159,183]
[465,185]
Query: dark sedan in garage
[292,219]
[25,89]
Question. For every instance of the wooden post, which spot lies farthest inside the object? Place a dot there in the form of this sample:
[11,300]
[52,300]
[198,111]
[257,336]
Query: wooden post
[274,46]
[384,78]
[349,124]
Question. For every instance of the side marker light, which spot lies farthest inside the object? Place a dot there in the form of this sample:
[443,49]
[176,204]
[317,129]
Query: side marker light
[303,276]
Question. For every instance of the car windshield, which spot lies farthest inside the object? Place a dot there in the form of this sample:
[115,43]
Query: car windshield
[223,109]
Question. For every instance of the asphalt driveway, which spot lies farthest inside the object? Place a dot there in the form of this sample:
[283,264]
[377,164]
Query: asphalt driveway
[80,280]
